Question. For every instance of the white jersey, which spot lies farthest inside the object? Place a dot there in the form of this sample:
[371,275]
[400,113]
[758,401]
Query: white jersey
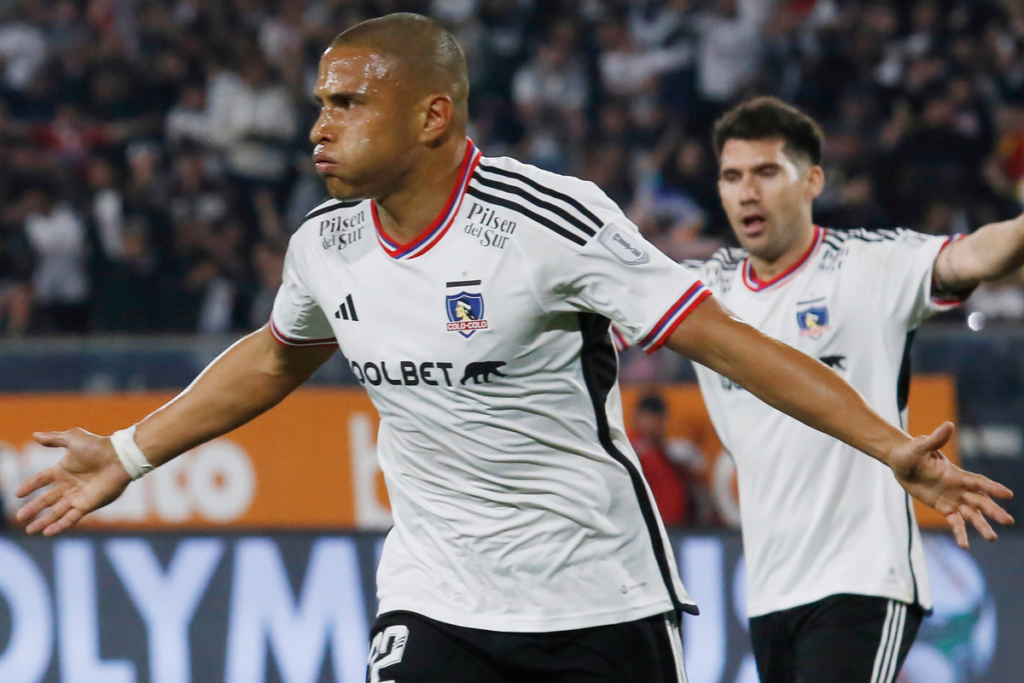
[820,518]
[518,502]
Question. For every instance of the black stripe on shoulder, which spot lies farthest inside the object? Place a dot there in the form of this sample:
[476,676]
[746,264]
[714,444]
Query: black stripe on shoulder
[833,240]
[538,202]
[546,190]
[571,236]
[333,207]
[873,235]
[728,259]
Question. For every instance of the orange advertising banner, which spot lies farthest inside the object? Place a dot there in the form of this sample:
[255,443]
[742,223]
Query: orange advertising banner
[311,462]
[932,402]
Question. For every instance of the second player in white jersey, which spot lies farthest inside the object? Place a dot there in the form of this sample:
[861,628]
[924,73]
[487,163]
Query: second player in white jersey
[518,501]
[819,518]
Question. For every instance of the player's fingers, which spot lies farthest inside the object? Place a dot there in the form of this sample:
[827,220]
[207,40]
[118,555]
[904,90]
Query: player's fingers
[44,520]
[938,438]
[52,439]
[956,522]
[37,505]
[35,482]
[982,484]
[988,507]
[66,522]
[979,522]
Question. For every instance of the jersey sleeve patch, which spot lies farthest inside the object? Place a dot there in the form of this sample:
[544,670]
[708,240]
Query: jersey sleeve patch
[627,250]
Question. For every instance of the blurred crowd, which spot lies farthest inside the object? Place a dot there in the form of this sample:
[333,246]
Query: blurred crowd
[156,155]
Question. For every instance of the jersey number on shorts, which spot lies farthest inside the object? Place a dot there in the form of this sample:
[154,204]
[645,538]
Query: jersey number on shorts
[386,649]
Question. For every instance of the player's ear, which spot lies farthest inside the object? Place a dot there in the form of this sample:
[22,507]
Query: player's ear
[439,113]
[815,182]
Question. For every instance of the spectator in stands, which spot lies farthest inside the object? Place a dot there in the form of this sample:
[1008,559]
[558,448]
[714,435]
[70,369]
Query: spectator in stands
[676,206]
[15,278]
[920,100]
[23,45]
[550,93]
[673,469]
[253,120]
[730,49]
[60,284]
[188,121]
[268,262]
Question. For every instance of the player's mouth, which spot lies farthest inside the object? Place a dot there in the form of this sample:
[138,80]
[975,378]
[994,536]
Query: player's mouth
[323,162]
[754,224]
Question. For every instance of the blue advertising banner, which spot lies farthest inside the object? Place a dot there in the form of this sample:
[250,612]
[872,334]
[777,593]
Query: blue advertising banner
[296,608]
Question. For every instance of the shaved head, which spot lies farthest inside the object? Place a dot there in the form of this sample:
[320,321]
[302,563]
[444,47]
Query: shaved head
[393,108]
[425,57]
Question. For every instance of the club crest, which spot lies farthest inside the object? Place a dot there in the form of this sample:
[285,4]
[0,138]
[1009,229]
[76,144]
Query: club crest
[813,320]
[465,313]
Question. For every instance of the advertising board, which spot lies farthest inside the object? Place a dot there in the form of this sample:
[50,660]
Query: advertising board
[311,462]
[297,608]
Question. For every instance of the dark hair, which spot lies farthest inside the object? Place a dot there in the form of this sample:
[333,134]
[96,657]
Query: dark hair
[651,403]
[764,118]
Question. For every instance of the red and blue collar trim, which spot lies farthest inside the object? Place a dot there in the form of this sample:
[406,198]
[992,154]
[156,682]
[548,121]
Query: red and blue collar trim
[433,234]
[757,285]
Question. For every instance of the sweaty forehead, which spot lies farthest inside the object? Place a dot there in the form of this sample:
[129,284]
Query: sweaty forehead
[350,69]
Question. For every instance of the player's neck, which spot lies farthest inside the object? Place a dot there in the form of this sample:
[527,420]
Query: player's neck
[767,270]
[406,213]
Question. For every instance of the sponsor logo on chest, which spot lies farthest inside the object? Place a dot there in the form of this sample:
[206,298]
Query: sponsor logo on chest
[341,232]
[488,227]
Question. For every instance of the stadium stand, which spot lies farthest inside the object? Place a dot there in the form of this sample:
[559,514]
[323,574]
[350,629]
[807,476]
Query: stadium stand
[156,157]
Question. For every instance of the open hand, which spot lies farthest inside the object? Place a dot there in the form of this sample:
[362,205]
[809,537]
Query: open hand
[89,476]
[928,475]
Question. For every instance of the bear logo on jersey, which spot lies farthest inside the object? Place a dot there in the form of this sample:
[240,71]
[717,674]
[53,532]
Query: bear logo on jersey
[813,320]
[465,313]
[484,369]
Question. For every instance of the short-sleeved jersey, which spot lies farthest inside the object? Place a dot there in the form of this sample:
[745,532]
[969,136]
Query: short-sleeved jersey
[818,517]
[518,502]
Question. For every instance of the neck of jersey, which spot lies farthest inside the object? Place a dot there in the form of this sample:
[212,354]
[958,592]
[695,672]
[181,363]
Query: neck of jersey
[755,283]
[431,235]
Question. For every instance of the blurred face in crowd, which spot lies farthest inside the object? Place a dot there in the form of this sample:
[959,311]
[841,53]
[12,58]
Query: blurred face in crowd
[649,424]
[767,194]
[366,136]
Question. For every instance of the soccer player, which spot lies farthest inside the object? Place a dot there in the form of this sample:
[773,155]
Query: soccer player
[472,297]
[837,584]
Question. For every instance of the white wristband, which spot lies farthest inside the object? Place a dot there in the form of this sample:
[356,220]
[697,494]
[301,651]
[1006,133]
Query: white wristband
[130,455]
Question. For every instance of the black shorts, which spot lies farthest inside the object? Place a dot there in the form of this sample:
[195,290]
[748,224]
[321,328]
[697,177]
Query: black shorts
[841,639]
[410,648]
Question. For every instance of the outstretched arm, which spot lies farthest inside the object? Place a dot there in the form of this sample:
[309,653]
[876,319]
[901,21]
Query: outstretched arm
[809,391]
[248,379]
[991,252]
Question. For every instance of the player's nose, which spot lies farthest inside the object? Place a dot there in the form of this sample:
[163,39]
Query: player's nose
[749,191]
[322,130]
